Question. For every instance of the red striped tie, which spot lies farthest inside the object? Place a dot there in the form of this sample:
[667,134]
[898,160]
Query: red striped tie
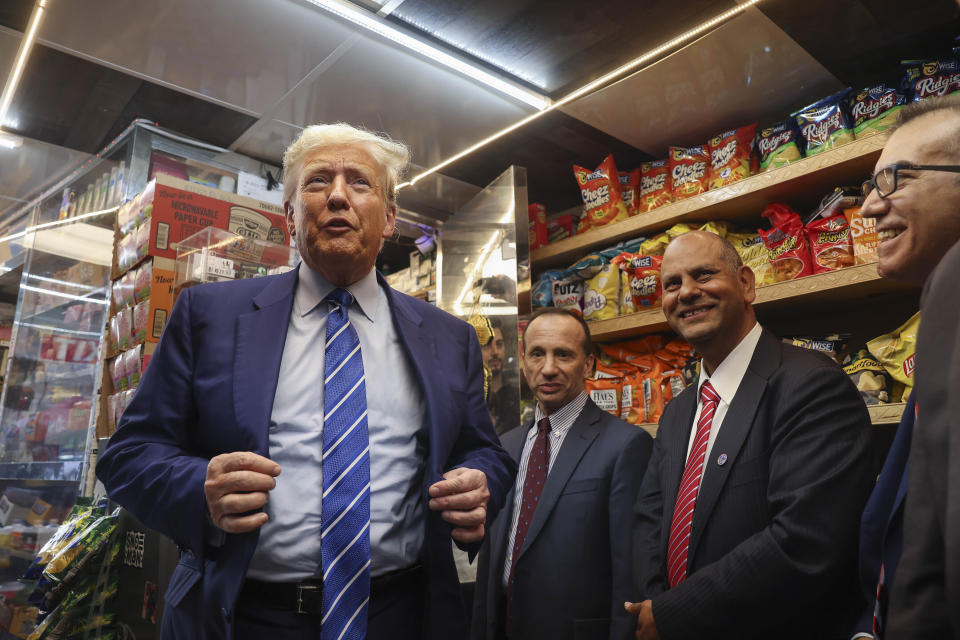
[689,488]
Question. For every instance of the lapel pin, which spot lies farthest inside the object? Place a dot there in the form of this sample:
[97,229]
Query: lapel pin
[722,460]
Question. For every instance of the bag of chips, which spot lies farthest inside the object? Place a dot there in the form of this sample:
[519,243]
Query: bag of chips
[825,124]
[831,246]
[779,145]
[655,246]
[560,228]
[754,253]
[832,346]
[605,392]
[718,227]
[542,290]
[688,171]
[601,296]
[872,381]
[896,352]
[600,190]
[730,156]
[83,546]
[656,189]
[678,230]
[537,215]
[786,243]
[875,109]
[568,294]
[644,274]
[589,265]
[632,408]
[626,295]
[929,78]
[863,232]
[630,190]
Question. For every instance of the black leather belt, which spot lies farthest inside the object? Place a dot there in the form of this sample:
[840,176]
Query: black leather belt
[307,596]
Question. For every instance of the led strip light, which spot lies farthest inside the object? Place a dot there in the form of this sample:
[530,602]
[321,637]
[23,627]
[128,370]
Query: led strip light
[25,46]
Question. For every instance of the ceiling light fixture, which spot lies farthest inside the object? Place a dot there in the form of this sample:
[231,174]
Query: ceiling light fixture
[384,29]
[26,44]
[590,87]
[8,141]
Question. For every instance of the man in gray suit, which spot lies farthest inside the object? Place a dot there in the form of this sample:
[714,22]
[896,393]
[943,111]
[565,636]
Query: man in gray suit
[556,565]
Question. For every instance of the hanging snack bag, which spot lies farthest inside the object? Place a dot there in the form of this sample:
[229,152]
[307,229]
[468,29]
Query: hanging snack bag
[831,245]
[605,392]
[875,109]
[730,155]
[863,233]
[65,564]
[786,243]
[930,78]
[568,294]
[688,171]
[537,215]
[601,296]
[754,253]
[871,379]
[600,190]
[779,145]
[896,351]
[630,190]
[656,189]
[825,124]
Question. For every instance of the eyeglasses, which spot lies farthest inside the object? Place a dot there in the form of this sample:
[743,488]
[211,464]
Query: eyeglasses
[886,180]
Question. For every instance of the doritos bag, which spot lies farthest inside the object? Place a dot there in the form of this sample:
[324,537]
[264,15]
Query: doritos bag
[630,190]
[786,243]
[600,190]
[688,171]
[831,246]
[730,154]
[656,188]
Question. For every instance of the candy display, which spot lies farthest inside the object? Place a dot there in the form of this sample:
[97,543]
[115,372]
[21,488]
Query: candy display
[688,171]
[730,156]
[825,124]
[600,190]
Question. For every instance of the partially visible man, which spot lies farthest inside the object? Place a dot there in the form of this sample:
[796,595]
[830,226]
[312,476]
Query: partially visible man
[914,196]
[553,565]
[503,396]
[746,524]
[369,402]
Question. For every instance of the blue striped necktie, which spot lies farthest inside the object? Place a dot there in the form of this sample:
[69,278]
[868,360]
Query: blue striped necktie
[345,515]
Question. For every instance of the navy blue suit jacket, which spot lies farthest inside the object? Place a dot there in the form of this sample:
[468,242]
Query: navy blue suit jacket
[209,390]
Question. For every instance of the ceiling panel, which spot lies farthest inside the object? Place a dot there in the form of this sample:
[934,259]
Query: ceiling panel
[746,71]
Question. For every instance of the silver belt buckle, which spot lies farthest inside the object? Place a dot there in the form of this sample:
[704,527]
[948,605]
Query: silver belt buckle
[300,589]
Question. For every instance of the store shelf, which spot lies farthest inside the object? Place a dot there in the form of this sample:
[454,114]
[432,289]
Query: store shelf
[860,282]
[886,413]
[801,184]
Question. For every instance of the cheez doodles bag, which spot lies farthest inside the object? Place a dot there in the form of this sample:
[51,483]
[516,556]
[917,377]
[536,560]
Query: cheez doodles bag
[655,185]
[786,243]
[630,190]
[644,272]
[688,171]
[600,190]
[730,156]
[831,246]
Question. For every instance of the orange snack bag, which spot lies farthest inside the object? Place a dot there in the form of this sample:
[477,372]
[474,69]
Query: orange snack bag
[863,232]
[537,214]
[632,408]
[600,190]
[655,185]
[831,246]
[605,392]
[630,190]
[688,171]
[644,274]
[730,154]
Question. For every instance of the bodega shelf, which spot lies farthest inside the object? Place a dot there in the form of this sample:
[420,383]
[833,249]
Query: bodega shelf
[801,184]
[860,281]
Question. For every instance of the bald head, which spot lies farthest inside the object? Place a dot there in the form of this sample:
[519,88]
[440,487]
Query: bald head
[703,239]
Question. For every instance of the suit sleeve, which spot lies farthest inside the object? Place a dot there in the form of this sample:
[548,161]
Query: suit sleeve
[624,486]
[648,576]
[147,467]
[477,446]
[818,481]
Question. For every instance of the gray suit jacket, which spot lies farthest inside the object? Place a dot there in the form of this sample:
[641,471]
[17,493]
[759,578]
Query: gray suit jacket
[573,573]
[923,602]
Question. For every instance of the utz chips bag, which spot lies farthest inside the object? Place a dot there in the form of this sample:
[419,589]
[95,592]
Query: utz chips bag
[730,154]
[754,253]
[568,294]
[600,190]
[863,232]
[871,379]
[656,188]
[779,145]
[896,352]
[825,124]
[537,214]
[630,190]
[601,296]
[688,171]
[875,109]
[831,246]
[787,244]
[929,78]
[605,392]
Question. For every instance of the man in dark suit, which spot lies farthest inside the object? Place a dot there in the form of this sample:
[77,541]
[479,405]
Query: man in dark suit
[746,524]
[369,402]
[552,567]
[914,196]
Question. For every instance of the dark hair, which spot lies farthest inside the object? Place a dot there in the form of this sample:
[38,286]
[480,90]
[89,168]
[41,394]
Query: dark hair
[917,110]
[587,342]
[496,323]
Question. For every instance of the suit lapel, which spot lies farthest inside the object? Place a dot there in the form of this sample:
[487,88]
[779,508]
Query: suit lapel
[260,336]
[582,434]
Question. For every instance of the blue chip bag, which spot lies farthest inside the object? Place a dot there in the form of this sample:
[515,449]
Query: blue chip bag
[875,109]
[930,78]
[542,291]
[779,145]
[825,124]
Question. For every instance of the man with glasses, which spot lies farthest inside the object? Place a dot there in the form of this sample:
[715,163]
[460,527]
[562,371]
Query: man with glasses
[914,196]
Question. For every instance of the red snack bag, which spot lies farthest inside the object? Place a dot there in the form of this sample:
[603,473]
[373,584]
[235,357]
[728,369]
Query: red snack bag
[730,156]
[655,185]
[537,213]
[560,228]
[831,244]
[630,190]
[688,171]
[786,242]
[644,274]
[600,190]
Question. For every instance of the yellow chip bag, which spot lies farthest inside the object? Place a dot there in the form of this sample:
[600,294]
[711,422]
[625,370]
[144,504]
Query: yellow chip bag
[601,299]
[654,246]
[678,230]
[896,352]
[626,295]
[719,227]
[755,255]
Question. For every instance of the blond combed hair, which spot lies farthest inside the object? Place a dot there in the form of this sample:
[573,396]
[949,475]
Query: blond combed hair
[391,155]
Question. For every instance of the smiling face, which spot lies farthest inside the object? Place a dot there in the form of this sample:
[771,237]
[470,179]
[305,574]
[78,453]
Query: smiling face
[339,214]
[554,363]
[706,300]
[919,221]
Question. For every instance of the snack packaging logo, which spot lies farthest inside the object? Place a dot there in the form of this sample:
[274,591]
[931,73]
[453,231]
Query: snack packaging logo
[584,176]
[655,182]
[593,198]
[770,141]
[248,223]
[593,301]
[928,78]
[818,133]
[725,154]
[866,107]
[684,173]
[908,365]
[937,86]
[825,237]
[645,286]
[606,399]
[789,243]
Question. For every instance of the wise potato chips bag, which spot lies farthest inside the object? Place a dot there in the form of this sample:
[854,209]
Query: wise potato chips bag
[786,242]
[730,156]
[896,352]
[644,273]
[600,190]
[688,171]
[930,78]
[656,189]
[779,145]
[825,124]
[630,190]
[831,246]
[875,109]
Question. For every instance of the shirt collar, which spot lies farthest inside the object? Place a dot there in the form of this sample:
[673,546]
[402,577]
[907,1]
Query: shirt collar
[727,376]
[313,288]
[563,418]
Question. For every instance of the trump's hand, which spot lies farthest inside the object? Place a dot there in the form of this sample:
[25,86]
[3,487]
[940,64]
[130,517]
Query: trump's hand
[462,497]
[646,628]
[238,483]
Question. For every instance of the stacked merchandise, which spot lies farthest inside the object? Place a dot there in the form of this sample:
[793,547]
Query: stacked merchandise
[103,193]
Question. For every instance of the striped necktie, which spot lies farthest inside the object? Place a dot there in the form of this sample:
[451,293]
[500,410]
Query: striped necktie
[345,514]
[682,522]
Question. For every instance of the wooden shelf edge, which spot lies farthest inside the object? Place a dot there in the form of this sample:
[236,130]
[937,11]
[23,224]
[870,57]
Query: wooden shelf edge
[663,217]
